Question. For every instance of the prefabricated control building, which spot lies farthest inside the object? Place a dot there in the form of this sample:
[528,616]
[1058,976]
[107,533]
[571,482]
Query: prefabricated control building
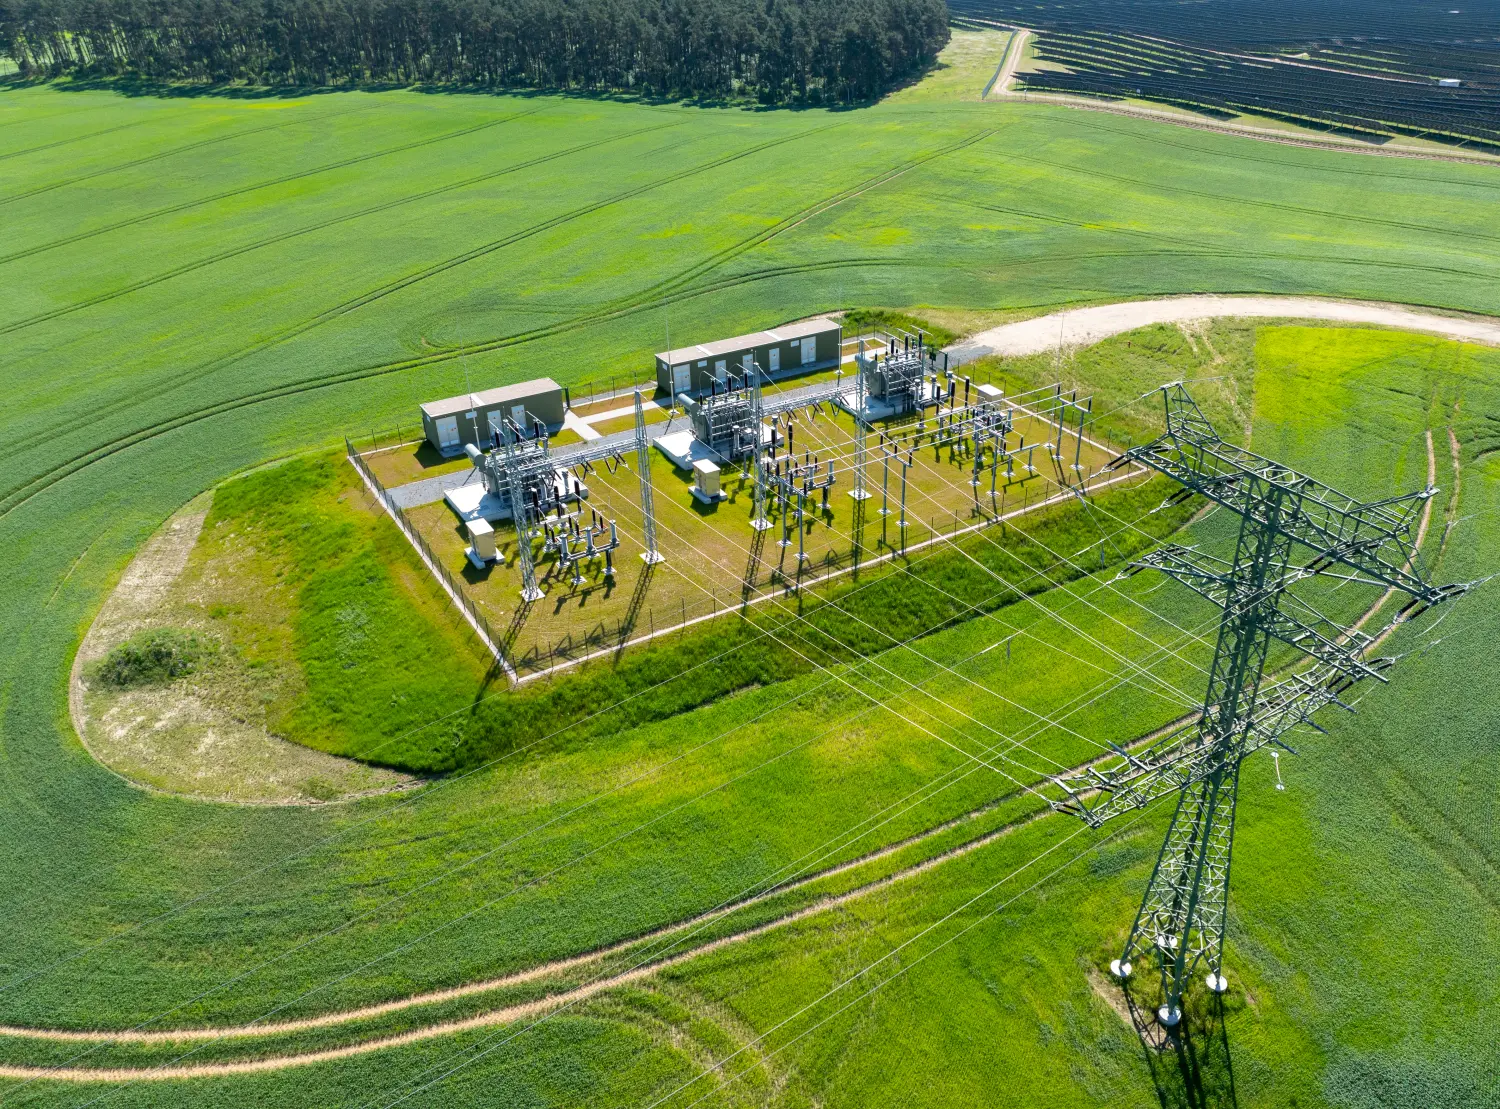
[477,417]
[815,344]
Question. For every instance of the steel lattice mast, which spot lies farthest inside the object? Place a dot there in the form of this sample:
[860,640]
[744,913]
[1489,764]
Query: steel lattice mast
[515,484]
[650,555]
[1180,924]
[758,519]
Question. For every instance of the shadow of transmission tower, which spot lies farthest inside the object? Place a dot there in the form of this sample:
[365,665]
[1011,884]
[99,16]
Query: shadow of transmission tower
[1190,1064]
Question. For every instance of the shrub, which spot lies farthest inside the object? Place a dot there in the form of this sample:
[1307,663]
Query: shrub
[152,657]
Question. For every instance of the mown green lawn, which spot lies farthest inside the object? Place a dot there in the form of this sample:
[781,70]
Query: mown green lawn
[196,285]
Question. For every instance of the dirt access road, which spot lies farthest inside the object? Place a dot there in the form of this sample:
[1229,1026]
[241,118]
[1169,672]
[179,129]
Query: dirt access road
[1014,51]
[1078,327]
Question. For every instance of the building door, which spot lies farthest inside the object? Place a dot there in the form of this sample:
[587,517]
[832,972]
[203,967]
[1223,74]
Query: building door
[809,350]
[518,416]
[748,361]
[682,379]
[775,359]
[721,370]
[447,429]
[496,420]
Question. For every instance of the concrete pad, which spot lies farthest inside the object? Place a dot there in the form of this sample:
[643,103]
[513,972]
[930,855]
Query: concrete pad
[576,423]
[471,502]
[683,449]
[877,409]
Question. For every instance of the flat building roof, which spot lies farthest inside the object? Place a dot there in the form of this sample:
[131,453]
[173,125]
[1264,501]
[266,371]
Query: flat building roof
[818,326]
[524,390]
[490,398]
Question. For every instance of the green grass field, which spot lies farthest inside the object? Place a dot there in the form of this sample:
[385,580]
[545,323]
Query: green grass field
[197,285]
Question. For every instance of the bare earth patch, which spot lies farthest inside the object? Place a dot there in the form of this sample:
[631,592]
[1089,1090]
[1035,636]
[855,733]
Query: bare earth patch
[203,735]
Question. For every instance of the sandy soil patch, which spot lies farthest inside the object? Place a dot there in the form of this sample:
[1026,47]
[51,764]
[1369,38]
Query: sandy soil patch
[199,736]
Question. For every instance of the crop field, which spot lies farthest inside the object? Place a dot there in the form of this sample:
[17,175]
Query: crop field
[785,859]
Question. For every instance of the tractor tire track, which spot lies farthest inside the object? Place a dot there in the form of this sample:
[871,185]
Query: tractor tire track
[135,399]
[439,268]
[65,142]
[687,924]
[1450,513]
[1262,161]
[1196,248]
[809,212]
[510,1013]
[1184,248]
[680,286]
[200,144]
[228,194]
[269,240]
[373,295]
[24,491]
[569,963]
[21,494]
[1272,205]
[75,113]
[668,291]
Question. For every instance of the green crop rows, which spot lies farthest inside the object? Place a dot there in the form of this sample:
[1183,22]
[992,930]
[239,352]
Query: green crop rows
[195,286]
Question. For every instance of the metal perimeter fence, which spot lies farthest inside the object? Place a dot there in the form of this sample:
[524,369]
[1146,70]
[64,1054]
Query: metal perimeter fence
[454,585]
[528,657]
[535,659]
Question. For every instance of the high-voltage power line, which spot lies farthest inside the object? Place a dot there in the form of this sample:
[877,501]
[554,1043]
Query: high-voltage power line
[1180,925]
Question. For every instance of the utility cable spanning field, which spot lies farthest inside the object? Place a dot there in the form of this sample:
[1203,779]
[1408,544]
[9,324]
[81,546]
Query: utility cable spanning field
[1181,920]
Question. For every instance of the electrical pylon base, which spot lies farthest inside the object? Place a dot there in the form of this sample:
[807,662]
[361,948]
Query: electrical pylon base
[1181,920]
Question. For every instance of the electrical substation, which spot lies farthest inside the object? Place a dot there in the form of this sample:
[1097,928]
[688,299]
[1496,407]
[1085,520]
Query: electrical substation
[751,481]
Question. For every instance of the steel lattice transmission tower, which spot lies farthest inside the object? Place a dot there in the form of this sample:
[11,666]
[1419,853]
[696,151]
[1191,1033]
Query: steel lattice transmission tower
[1180,925]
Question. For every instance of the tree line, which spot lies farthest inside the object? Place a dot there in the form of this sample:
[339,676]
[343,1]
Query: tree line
[776,51]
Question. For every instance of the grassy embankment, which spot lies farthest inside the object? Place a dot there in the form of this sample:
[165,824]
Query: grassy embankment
[365,672]
[376,670]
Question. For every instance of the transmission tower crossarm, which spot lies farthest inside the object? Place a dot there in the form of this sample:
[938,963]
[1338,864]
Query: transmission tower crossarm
[1293,700]
[1318,636]
[1372,538]
[1130,781]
